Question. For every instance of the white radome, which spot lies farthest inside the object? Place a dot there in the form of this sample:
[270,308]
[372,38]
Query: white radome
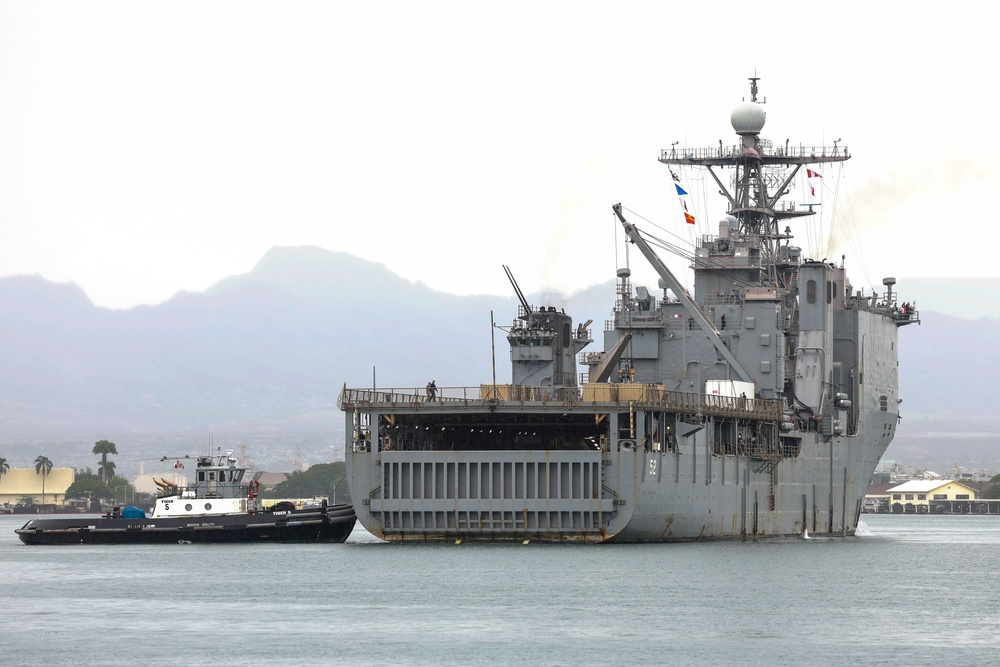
[748,118]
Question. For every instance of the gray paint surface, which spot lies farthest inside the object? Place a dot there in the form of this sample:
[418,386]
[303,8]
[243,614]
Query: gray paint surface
[654,454]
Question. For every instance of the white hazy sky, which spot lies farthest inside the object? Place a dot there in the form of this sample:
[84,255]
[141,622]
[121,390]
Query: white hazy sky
[148,148]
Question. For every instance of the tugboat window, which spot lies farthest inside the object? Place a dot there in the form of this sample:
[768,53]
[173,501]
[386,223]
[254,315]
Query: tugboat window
[222,477]
[187,507]
[811,291]
[201,476]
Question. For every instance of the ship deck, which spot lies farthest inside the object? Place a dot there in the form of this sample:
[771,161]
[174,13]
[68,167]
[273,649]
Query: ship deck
[600,398]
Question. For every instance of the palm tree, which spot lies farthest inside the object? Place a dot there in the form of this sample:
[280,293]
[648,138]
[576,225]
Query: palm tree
[4,467]
[106,470]
[43,466]
[105,447]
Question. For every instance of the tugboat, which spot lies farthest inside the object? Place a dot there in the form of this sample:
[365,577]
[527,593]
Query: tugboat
[217,508]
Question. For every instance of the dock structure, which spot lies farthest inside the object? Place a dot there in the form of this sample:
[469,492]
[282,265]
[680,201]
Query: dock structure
[971,506]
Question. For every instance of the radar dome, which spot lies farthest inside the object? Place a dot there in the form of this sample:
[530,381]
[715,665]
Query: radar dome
[748,118]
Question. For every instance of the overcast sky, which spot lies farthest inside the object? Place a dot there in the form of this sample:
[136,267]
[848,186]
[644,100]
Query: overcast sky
[147,148]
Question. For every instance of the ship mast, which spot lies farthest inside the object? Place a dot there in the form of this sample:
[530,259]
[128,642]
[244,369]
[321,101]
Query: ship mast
[762,176]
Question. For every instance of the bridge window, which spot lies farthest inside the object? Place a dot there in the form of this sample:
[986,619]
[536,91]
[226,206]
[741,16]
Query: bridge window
[811,291]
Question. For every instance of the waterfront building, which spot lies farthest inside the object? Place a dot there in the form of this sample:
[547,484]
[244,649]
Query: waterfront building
[916,496]
[877,498]
[19,483]
[967,475]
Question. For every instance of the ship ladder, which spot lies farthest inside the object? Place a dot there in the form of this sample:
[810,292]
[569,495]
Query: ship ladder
[607,491]
[770,466]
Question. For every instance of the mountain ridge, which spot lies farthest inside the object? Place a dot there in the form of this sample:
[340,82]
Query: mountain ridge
[269,350]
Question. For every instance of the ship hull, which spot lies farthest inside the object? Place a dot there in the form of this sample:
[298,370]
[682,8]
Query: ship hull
[325,524]
[658,497]
[692,489]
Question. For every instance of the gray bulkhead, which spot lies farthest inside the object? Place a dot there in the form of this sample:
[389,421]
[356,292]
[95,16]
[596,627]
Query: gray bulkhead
[743,496]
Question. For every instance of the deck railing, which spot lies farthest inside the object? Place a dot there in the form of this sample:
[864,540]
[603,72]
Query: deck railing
[737,150]
[611,395]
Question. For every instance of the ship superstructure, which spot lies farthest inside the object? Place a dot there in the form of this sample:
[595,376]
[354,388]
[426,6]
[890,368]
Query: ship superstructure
[757,406]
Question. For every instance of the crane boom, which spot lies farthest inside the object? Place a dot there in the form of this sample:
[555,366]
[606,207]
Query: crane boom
[671,281]
[517,290]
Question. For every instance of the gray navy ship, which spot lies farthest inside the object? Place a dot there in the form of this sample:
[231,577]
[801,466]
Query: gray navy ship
[757,407]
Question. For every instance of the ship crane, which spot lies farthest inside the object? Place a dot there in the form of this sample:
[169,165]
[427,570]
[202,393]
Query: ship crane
[517,290]
[671,281]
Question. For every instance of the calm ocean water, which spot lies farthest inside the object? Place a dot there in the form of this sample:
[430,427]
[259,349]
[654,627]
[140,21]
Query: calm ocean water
[910,590]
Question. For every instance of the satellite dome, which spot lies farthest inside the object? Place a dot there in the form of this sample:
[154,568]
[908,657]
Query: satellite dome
[748,118]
